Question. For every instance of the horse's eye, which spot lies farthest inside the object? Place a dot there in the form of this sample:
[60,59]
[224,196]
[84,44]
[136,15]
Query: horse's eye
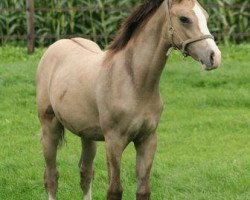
[184,20]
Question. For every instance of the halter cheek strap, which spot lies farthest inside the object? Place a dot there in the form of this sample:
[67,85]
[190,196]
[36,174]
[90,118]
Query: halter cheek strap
[172,32]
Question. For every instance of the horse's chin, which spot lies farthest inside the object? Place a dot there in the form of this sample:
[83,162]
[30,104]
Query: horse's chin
[207,67]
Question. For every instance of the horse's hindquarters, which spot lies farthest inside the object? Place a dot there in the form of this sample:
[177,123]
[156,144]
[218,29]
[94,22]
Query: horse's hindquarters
[66,79]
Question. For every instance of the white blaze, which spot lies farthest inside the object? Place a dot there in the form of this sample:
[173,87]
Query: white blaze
[202,22]
[201,19]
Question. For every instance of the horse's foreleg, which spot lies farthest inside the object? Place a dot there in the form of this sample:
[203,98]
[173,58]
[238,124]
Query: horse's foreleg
[86,167]
[51,134]
[114,149]
[145,151]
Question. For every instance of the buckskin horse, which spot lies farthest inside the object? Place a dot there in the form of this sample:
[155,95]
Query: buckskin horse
[113,95]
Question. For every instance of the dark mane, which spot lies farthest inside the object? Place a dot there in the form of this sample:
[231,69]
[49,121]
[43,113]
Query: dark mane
[133,22]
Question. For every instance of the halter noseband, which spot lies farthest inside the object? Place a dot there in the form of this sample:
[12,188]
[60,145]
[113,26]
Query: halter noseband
[183,44]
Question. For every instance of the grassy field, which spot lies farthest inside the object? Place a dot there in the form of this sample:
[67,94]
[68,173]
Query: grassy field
[204,134]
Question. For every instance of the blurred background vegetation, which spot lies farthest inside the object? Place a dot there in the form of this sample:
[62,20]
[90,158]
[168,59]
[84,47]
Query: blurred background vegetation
[100,19]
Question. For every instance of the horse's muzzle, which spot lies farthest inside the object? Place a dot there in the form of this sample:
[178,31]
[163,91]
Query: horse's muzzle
[211,60]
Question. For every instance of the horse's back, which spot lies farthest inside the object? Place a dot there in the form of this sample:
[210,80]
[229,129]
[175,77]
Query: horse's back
[87,44]
[64,50]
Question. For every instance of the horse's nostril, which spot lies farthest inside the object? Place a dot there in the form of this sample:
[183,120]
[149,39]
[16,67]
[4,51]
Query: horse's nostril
[212,57]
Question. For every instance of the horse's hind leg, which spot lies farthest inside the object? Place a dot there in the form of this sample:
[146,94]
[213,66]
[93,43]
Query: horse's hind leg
[86,166]
[52,132]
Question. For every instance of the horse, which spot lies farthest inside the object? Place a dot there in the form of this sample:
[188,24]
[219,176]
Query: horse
[113,95]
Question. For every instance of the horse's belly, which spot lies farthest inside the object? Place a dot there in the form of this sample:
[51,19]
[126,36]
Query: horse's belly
[82,126]
[92,133]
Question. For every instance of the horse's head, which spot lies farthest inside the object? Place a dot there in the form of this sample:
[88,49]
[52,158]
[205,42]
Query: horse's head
[189,32]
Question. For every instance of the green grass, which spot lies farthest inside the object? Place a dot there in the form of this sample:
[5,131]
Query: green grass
[204,134]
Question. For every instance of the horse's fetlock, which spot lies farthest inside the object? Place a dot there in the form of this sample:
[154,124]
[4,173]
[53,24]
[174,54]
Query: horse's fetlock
[143,196]
[117,195]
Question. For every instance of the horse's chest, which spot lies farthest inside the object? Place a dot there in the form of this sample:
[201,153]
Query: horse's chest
[141,122]
[131,117]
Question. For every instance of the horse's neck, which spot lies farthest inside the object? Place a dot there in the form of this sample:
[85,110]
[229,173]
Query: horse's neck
[136,70]
[145,55]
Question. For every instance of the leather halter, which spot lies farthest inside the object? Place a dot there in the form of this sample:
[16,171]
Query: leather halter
[183,44]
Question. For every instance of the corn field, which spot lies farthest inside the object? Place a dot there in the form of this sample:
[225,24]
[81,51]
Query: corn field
[100,19]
